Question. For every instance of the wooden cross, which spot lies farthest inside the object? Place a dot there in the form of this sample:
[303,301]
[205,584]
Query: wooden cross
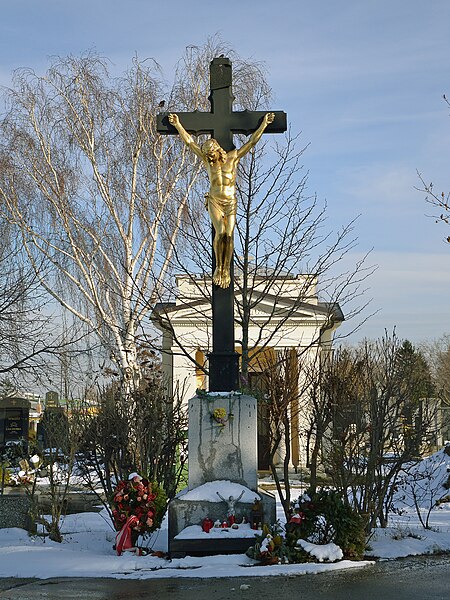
[222,123]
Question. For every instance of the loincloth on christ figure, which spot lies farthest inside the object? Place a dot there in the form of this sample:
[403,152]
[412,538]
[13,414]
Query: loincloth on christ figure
[226,206]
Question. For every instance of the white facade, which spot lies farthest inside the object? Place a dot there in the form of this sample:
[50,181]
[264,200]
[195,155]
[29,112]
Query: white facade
[289,316]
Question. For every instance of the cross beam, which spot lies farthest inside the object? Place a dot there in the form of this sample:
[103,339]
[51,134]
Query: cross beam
[222,123]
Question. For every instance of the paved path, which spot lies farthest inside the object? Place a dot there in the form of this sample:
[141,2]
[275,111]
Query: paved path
[426,578]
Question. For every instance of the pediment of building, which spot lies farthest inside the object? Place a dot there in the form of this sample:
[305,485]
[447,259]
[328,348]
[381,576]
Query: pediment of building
[266,307]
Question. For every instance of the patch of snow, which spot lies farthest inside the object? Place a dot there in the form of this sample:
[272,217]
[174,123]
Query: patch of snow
[223,394]
[86,550]
[323,552]
[398,542]
[208,492]
[265,546]
[196,532]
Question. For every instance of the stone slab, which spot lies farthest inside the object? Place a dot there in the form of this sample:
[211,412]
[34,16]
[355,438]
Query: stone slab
[15,512]
[223,452]
[182,548]
[183,513]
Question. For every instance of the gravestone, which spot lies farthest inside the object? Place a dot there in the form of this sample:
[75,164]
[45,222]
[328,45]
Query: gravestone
[218,452]
[14,425]
[15,511]
[14,420]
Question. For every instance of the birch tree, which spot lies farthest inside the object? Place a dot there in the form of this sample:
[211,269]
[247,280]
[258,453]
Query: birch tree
[96,195]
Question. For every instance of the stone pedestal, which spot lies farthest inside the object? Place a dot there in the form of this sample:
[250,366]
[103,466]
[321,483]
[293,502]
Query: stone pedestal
[183,513]
[219,451]
[227,450]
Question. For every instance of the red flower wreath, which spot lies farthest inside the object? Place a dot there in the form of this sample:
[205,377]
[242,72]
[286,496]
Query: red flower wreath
[140,498]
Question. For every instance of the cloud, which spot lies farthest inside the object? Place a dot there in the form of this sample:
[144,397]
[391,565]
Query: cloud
[411,292]
[378,187]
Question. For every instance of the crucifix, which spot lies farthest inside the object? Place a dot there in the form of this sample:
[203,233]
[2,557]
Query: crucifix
[220,158]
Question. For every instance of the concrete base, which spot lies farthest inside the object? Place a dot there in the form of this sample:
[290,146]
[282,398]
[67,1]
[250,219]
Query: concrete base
[227,451]
[183,513]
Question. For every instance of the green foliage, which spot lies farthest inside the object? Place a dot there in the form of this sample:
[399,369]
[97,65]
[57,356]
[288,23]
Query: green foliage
[271,547]
[414,372]
[160,504]
[203,394]
[323,517]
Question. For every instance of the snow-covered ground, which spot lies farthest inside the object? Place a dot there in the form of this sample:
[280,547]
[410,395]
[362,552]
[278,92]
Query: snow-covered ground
[406,535]
[86,550]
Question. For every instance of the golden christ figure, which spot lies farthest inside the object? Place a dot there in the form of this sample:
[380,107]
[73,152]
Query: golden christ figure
[221,200]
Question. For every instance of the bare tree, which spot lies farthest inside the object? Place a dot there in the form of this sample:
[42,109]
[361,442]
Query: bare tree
[280,386]
[289,390]
[63,438]
[30,342]
[319,414]
[96,194]
[282,232]
[381,420]
[144,432]
[439,200]
[422,486]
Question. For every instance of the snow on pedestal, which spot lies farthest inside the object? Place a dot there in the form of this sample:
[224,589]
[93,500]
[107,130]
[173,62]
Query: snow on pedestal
[190,507]
[195,532]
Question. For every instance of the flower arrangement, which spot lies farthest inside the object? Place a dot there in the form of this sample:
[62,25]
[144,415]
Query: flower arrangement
[220,416]
[140,498]
[270,548]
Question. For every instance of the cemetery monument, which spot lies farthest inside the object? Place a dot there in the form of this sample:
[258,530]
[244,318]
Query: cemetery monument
[222,422]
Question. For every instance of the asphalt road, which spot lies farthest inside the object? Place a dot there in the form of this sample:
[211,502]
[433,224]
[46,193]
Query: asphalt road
[424,578]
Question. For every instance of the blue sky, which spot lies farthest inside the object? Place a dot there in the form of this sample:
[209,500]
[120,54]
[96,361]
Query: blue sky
[361,79]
